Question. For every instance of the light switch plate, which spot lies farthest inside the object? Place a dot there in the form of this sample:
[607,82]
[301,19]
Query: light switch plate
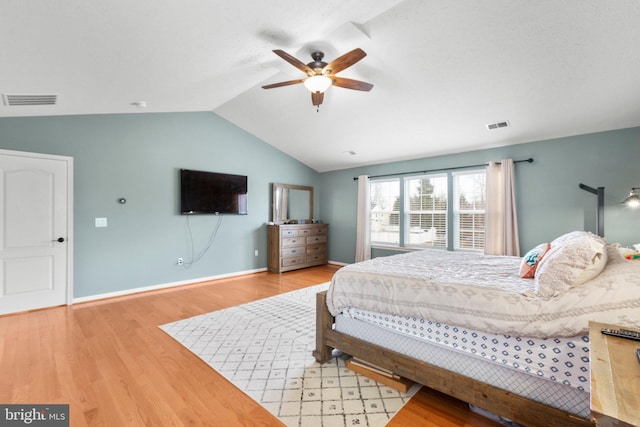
[101,222]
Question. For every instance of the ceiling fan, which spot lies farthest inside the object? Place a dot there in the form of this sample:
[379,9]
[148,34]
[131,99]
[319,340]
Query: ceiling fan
[321,76]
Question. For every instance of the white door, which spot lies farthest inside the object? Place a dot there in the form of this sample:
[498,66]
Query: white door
[35,227]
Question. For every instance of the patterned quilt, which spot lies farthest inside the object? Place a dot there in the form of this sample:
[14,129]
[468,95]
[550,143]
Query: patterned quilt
[485,293]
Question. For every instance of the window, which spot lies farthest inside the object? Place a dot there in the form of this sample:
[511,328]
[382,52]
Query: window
[426,211]
[429,211]
[385,212]
[469,210]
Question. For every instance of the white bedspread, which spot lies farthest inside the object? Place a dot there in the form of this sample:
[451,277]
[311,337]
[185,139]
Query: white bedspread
[485,293]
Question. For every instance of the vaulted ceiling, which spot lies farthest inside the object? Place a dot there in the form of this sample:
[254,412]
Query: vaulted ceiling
[442,70]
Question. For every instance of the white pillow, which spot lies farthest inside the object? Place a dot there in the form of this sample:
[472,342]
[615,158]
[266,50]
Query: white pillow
[572,260]
[575,235]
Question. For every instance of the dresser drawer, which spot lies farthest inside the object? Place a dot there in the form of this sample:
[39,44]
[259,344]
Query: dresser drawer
[305,231]
[288,232]
[311,240]
[293,251]
[288,262]
[318,257]
[319,230]
[293,241]
[318,248]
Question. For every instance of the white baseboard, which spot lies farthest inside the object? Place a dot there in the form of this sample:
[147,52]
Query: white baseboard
[162,286]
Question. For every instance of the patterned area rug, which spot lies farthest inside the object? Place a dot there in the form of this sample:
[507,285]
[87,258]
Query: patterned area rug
[265,349]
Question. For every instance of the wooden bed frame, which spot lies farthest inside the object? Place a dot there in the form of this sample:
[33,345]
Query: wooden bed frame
[485,396]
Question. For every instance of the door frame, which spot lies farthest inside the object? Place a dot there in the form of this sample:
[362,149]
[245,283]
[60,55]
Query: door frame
[69,237]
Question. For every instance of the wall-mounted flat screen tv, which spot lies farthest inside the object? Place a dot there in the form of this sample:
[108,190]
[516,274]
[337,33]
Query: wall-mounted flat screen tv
[212,193]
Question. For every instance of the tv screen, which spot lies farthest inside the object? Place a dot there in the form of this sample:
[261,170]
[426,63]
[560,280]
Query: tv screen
[212,193]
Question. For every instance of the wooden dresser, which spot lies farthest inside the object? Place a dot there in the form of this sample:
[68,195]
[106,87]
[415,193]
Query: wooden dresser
[294,246]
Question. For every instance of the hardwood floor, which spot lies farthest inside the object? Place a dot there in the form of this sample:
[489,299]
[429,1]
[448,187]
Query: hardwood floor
[112,364]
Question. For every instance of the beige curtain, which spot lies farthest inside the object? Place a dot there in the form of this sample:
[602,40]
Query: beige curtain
[501,237]
[363,236]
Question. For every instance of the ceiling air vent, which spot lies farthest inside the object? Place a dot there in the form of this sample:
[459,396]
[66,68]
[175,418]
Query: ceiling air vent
[498,125]
[12,100]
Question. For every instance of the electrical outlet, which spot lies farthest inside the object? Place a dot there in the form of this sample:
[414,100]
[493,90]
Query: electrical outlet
[256,253]
[180,261]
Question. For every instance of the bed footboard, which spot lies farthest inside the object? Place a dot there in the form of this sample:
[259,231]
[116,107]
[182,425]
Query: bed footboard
[496,400]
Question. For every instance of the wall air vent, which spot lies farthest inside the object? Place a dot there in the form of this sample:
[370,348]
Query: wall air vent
[498,125]
[12,100]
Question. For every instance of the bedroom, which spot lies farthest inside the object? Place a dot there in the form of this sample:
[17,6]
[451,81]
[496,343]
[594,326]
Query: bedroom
[136,156]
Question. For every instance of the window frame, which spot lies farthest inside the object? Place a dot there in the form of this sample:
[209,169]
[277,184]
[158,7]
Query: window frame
[374,227]
[451,239]
[474,212]
[407,212]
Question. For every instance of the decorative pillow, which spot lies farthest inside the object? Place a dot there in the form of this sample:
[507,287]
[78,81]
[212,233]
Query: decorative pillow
[573,235]
[627,253]
[624,251]
[574,259]
[531,259]
[616,252]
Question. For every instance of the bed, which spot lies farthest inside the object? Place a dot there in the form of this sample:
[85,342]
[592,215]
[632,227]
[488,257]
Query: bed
[473,327]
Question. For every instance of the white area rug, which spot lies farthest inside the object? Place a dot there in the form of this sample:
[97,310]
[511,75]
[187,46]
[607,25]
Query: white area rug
[265,349]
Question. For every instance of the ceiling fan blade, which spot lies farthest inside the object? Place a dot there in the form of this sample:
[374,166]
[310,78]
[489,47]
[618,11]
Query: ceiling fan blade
[295,62]
[346,60]
[317,98]
[287,83]
[351,84]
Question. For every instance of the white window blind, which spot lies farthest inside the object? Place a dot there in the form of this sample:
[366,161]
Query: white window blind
[415,211]
[469,209]
[385,212]
[426,211]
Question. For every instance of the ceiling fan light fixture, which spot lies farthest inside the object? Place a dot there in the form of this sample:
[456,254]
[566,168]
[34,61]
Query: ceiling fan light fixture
[318,83]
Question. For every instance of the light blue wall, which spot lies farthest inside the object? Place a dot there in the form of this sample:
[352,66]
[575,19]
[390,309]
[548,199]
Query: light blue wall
[549,200]
[137,156]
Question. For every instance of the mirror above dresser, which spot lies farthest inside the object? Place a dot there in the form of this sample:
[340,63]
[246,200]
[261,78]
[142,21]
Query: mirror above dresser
[294,241]
[291,204]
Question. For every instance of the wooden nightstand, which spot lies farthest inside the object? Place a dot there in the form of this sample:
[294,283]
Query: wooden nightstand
[615,378]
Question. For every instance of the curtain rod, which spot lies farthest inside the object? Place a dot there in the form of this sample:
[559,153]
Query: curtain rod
[355,178]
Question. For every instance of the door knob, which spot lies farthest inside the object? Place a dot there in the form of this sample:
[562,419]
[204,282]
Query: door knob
[59,239]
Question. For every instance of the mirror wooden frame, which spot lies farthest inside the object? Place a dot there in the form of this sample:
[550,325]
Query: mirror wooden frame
[274,202]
